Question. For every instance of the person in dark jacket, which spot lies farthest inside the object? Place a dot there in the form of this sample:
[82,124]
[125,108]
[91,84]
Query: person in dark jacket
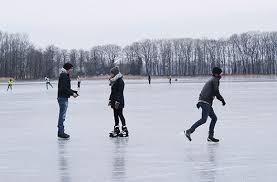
[64,92]
[78,82]
[116,101]
[149,79]
[207,95]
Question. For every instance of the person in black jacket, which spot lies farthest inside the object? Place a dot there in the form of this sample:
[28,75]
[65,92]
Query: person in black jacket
[209,91]
[64,92]
[116,101]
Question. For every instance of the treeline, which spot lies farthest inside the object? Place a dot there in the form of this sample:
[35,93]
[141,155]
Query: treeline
[247,53]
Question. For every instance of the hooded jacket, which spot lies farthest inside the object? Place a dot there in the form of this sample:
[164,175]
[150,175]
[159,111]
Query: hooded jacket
[117,88]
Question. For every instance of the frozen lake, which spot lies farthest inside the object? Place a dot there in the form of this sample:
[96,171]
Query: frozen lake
[156,150]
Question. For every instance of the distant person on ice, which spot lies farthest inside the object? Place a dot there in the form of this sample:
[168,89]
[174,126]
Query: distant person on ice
[64,92]
[47,80]
[149,79]
[116,101]
[169,79]
[209,91]
[10,85]
[78,82]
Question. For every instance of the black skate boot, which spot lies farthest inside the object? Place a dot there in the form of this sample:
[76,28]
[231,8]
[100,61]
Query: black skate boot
[124,132]
[115,132]
[63,136]
[188,133]
[211,138]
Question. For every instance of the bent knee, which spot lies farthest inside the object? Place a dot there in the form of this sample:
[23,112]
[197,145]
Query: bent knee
[214,119]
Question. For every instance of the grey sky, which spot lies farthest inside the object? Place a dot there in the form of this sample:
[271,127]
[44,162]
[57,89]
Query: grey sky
[85,23]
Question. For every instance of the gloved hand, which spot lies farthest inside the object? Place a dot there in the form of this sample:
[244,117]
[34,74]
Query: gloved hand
[110,103]
[75,95]
[223,102]
[116,105]
[198,105]
[75,92]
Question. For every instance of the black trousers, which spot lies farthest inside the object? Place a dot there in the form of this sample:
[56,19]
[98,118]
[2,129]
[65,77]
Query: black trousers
[48,83]
[10,87]
[118,113]
[207,111]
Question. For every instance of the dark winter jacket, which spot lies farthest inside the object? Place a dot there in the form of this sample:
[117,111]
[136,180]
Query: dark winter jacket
[210,90]
[117,93]
[64,86]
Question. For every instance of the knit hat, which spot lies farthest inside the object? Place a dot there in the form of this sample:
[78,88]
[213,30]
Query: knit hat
[67,66]
[115,70]
[217,70]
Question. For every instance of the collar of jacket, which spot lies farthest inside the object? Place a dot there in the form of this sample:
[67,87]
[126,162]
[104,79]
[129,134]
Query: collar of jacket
[218,77]
[63,70]
[115,78]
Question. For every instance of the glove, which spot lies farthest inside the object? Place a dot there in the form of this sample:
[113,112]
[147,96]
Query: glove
[223,102]
[110,103]
[198,105]
[116,105]
[75,92]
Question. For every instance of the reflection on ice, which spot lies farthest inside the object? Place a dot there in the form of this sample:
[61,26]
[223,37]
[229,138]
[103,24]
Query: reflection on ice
[63,158]
[119,159]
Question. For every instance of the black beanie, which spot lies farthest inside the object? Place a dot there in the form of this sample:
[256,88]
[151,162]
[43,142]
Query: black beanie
[217,70]
[115,70]
[67,66]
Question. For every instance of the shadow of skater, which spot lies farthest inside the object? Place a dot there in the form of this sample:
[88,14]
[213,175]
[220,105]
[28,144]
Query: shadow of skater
[209,168]
[63,167]
[119,159]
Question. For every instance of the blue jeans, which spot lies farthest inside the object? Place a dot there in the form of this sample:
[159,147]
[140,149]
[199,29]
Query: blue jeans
[207,110]
[63,103]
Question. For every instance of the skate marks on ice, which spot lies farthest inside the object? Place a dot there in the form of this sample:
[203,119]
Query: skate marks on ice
[157,149]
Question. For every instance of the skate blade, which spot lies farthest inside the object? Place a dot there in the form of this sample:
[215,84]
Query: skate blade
[209,140]
[113,136]
[59,138]
[123,136]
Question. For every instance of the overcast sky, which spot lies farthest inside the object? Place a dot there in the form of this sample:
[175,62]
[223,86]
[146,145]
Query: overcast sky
[85,23]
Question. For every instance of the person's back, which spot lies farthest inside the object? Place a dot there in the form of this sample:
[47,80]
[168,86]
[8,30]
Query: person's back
[209,91]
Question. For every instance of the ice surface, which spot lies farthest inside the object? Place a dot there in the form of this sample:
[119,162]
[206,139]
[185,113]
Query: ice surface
[156,149]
